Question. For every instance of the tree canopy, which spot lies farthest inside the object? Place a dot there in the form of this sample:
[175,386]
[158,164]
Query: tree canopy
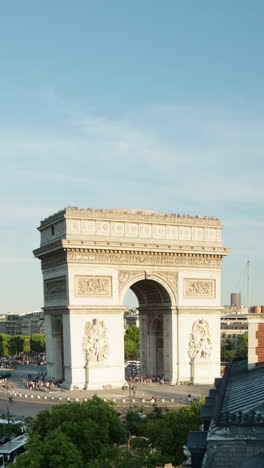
[233,348]
[14,345]
[132,343]
[90,435]
[88,427]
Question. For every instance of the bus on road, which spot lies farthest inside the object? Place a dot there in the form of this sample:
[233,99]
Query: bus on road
[11,449]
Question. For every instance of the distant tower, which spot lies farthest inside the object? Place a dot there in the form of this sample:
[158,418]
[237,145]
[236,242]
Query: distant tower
[236,299]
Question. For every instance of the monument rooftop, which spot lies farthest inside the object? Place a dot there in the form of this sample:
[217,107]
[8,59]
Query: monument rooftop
[131,229]
[130,214]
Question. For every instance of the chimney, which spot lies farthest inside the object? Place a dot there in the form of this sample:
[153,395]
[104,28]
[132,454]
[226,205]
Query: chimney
[255,337]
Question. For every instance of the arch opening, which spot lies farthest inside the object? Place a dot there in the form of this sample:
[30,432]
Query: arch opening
[154,307]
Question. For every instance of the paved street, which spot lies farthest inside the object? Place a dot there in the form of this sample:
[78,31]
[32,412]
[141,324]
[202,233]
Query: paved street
[29,402]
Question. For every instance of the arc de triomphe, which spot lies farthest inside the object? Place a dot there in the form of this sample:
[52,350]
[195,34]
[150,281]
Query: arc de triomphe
[90,258]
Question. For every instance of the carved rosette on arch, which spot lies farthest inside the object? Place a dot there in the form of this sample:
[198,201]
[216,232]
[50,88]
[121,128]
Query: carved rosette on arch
[200,344]
[125,277]
[95,341]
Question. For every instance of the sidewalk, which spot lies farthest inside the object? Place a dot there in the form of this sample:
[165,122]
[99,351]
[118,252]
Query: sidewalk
[167,395]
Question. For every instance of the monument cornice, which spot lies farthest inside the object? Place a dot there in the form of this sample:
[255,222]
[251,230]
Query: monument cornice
[130,248]
[146,216]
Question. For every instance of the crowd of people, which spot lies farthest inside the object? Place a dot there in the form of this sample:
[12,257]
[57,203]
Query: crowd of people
[147,379]
[38,382]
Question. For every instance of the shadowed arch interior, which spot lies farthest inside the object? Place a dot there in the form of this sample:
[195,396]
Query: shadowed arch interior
[150,292]
[154,303]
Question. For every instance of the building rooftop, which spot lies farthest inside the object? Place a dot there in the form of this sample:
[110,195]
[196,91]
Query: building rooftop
[126,213]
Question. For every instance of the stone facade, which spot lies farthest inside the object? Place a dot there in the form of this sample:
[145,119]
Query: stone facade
[90,258]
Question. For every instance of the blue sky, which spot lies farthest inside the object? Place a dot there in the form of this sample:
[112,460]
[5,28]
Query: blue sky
[144,104]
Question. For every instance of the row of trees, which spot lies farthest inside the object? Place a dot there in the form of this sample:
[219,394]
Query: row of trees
[15,345]
[90,434]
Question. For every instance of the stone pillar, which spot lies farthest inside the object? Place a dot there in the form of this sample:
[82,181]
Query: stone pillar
[49,346]
[199,346]
[97,349]
[143,318]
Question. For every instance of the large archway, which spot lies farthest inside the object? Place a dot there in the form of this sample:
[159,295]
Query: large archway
[154,307]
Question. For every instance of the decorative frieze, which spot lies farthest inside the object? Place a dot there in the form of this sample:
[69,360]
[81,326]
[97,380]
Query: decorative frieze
[199,288]
[93,286]
[95,341]
[200,344]
[142,258]
[55,288]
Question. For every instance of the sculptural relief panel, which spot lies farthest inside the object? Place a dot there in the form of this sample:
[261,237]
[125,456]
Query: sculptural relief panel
[200,343]
[55,288]
[93,286]
[199,288]
[95,341]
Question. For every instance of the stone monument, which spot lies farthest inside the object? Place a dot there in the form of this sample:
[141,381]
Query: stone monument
[90,258]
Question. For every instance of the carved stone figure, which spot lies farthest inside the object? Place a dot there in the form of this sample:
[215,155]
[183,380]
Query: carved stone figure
[95,341]
[200,344]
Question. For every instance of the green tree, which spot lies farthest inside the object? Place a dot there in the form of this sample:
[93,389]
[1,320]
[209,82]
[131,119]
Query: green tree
[168,433]
[132,343]
[4,344]
[54,451]
[242,346]
[113,457]
[37,343]
[26,344]
[233,348]
[19,344]
[89,426]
